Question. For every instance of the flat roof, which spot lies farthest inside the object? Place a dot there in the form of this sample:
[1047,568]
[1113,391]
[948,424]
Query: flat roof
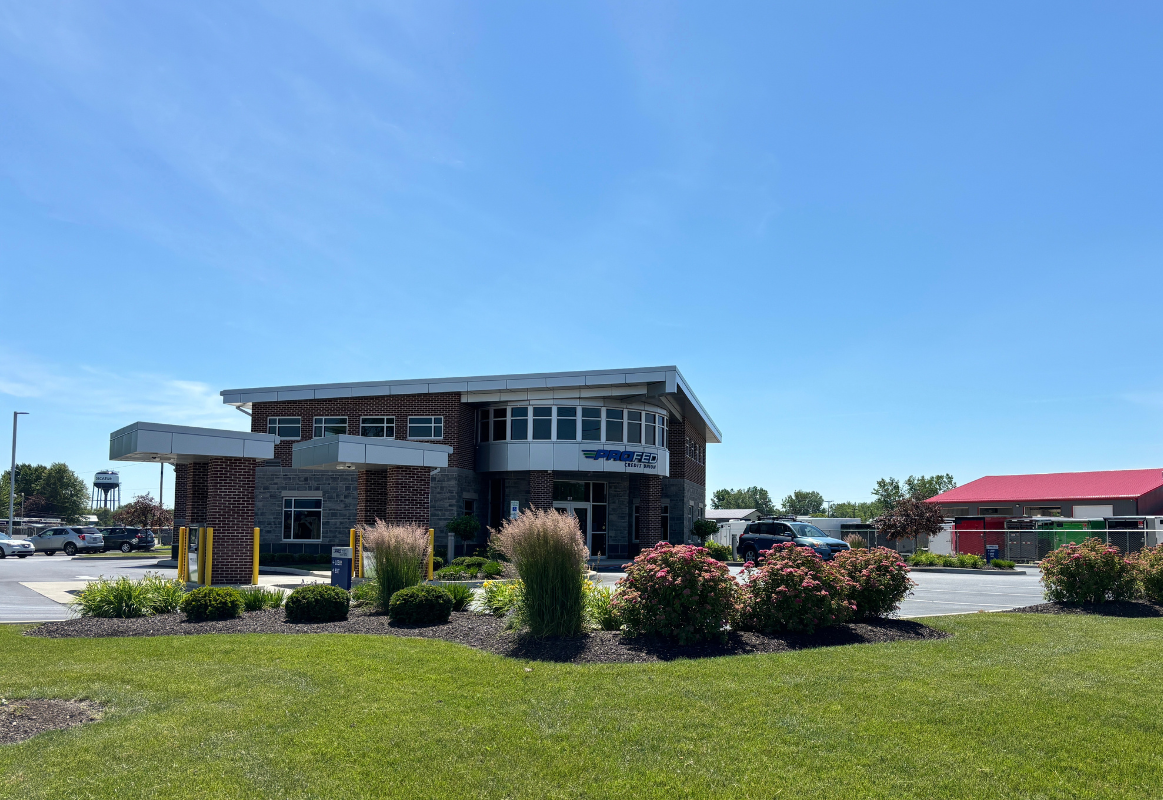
[665,380]
[179,444]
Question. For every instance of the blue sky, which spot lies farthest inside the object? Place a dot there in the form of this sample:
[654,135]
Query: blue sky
[878,239]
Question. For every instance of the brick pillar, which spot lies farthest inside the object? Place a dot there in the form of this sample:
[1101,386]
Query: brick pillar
[196,493]
[181,488]
[230,512]
[409,491]
[541,489]
[373,496]
[650,511]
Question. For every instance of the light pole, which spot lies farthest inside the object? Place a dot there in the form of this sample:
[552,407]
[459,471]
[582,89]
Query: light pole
[12,477]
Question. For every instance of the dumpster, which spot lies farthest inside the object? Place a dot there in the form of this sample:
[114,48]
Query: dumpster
[1129,534]
[969,535]
[1069,531]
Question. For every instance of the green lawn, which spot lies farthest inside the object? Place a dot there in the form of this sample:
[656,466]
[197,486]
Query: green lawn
[1011,706]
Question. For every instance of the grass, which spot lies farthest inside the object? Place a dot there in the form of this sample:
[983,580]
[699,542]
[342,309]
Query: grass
[1013,705]
[157,552]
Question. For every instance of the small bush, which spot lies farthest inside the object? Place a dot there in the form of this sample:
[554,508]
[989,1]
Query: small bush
[365,594]
[461,595]
[398,553]
[599,607]
[1149,568]
[880,580]
[795,590]
[703,529]
[967,561]
[165,594]
[452,573]
[211,603]
[318,602]
[470,562]
[256,598]
[679,592]
[437,562]
[923,558]
[492,569]
[549,552]
[420,605]
[719,552]
[120,597]
[1091,572]
[284,558]
[1001,563]
[501,597]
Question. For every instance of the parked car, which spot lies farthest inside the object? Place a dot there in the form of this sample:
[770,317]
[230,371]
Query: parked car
[128,539]
[21,548]
[766,533]
[69,540]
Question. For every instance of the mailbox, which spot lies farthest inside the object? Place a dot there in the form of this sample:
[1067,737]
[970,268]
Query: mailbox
[341,567]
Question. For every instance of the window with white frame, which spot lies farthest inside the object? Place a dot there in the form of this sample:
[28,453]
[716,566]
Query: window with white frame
[542,422]
[614,424]
[500,424]
[591,425]
[378,427]
[285,427]
[425,427]
[519,424]
[330,426]
[302,519]
[634,427]
[567,423]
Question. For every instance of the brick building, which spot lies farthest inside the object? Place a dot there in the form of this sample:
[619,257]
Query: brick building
[622,450]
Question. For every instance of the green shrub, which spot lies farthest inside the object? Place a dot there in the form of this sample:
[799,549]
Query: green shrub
[119,597]
[420,605]
[501,597]
[1091,572]
[256,598]
[1148,565]
[453,573]
[283,558]
[549,552]
[703,529]
[464,528]
[470,562]
[719,552]
[165,594]
[437,562]
[318,602]
[1001,563]
[880,580]
[967,561]
[599,607]
[923,558]
[492,569]
[212,602]
[461,595]
[399,556]
[365,594]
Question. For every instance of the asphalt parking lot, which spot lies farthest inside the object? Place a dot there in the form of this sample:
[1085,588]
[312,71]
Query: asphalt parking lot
[20,603]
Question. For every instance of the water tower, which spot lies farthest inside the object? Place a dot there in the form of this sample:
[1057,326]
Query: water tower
[106,490]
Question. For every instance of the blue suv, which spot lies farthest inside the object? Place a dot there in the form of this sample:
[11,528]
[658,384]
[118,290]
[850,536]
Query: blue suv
[766,533]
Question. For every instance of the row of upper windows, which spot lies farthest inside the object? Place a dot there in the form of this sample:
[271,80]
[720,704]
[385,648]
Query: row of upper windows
[376,427]
[560,423]
[695,451]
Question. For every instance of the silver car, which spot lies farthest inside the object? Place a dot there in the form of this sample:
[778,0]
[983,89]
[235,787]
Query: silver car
[21,548]
[69,540]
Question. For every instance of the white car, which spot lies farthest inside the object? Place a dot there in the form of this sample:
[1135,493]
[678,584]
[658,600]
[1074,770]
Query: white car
[21,548]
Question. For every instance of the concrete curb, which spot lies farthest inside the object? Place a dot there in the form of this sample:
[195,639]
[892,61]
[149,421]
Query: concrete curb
[262,570]
[962,571]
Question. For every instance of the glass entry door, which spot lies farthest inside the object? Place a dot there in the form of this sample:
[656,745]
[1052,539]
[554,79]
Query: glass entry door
[582,512]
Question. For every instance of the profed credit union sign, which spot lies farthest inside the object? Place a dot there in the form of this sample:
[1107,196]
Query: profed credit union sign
[632,459]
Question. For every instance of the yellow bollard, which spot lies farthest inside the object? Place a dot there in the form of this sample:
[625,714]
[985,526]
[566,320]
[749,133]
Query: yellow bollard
[254,568]
[183,555]
[209,557]
[359,568]
[431,544]
[202,556]
[353,553]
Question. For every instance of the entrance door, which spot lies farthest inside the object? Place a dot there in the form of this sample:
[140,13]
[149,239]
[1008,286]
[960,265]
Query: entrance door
[582,512]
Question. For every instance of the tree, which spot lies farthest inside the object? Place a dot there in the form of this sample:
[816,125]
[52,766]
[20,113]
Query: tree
[922,488]
[887,492]
[464,528]
[62,492]
[144,512]
[802,503]
[704,528]
[751,497]
[862,511]
[909,518]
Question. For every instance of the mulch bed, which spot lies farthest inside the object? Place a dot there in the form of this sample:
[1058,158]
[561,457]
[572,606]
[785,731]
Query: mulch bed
[23,719]
[1120,608]
[487,633]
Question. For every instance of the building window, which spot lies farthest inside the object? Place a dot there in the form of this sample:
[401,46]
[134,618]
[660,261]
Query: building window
[634,427]
[651,435]
[567,423]
[483,427]
[285,427]
[500,423]
[1004,511]
[636,524]
[1041,511]
[425,427]
[662,423]
[598,513]
[470,508]
[378,427]
[664,522]
[613,424]
[542,422]
[519,429]
[302,519]
[330,426]
[591,424]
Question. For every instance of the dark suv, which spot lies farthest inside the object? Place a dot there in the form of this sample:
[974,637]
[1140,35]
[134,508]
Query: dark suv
[128,539]
[766,533]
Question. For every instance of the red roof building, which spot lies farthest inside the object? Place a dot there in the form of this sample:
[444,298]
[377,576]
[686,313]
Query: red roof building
[1117,493]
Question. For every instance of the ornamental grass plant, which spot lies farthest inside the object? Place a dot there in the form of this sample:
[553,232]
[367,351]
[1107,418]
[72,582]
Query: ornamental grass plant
[794,591]
[125,597]
[880,580]
[398,556]
[1091,572]
[548,551]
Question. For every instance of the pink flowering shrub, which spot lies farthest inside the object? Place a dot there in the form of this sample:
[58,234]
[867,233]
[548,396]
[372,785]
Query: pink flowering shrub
[1149,566]
[676,591]
[794,590]
[1091,572]
[880,580]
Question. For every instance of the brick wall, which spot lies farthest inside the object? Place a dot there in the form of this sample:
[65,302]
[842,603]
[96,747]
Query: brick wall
[196,493]
[541,489]
[409,489]
[458,419]
[230,512]
[181,488]
[682,465]
[649,511]
[373,496]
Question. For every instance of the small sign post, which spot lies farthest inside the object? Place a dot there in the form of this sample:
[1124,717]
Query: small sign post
[991,552]
[341,567]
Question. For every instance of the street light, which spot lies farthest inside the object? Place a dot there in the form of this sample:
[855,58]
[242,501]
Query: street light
[12,477]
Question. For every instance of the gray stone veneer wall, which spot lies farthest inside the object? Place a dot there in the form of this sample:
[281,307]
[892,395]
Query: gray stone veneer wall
[340,494]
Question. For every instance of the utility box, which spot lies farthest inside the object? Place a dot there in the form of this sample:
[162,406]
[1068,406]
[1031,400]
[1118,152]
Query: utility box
[991,552]
[341,567]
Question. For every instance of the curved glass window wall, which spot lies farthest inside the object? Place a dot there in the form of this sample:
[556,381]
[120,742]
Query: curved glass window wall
[572,423]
